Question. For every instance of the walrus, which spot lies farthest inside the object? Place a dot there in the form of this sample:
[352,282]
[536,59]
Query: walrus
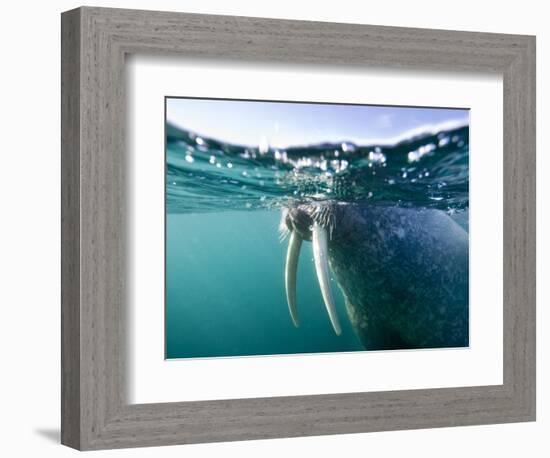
[403,271]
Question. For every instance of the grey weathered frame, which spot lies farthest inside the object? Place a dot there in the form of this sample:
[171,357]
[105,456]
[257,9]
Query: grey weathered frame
[95,414]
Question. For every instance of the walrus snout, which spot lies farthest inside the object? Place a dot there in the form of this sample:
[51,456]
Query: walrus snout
[303,217]
[299,220]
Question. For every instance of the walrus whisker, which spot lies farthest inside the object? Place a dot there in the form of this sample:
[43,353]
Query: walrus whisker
[320,256]
[283,229]
[291,267]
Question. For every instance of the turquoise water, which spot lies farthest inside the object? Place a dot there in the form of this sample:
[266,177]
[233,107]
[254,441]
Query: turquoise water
[225,293]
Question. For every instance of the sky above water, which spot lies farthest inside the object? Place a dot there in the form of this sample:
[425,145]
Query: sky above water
[281,124]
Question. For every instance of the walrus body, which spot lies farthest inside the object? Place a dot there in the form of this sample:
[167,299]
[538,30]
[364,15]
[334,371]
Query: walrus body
[403,273]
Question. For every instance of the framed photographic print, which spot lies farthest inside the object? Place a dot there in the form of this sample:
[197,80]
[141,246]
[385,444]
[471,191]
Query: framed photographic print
[381,193]
[284,228]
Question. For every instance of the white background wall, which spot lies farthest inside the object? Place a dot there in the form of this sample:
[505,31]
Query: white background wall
[29,227]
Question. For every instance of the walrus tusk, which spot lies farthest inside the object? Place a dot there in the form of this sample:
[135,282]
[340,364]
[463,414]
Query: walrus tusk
[320,256]
[291,267]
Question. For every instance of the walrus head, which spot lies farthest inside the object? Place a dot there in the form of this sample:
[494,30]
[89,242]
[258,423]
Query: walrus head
[315,223]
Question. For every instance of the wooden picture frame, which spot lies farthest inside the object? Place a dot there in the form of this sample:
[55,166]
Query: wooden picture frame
[95,412]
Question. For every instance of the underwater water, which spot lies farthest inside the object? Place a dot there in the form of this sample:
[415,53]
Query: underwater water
[225,291]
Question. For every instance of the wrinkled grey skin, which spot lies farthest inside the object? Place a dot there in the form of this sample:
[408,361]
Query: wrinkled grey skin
[403,272]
